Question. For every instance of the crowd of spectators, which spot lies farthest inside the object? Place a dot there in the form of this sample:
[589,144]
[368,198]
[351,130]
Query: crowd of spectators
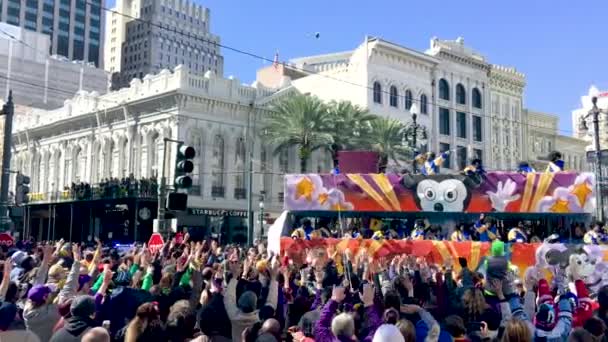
[115,188]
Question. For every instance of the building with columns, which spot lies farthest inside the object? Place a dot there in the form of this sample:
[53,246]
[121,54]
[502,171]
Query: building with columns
[507,121]
[453,86]
[95,137]
[542,136]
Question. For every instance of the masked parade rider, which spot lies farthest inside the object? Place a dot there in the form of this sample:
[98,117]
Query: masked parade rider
[596,236]
[517,234]
[419,231]
[556,163]
[524,168]
[460,234]
[431,164]
[486,228]
[475,169]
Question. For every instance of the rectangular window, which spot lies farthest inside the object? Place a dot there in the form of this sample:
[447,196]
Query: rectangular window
[477,153]
[63,46]
[48,9]
[461,157]
[443,147]
[32,3]
[477,129]
[461,125]
[444,121]
[78,50]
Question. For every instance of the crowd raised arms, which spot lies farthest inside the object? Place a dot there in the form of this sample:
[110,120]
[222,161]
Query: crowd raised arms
[204,291]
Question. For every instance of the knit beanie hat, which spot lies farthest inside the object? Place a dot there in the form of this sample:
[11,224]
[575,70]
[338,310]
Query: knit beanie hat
[18,257]
[83,279]
[388,333]
[82,306]
[38,294]
[248,302]
[498,248]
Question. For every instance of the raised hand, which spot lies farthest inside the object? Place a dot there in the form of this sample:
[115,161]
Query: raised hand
[76,252]
[338,294]
[8,267]
[367,297]
[235,268]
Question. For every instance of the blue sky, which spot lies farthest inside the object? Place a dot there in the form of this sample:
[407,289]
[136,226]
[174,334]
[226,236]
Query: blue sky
[560,45]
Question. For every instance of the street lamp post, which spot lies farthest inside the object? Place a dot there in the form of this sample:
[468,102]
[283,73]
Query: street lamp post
[595,112]
[413,129]
[261,217]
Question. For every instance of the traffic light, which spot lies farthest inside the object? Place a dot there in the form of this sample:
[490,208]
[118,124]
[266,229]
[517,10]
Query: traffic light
[184,166]
[22,188]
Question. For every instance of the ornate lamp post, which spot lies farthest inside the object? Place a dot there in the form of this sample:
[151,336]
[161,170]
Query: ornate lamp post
[595,112]
[415,135]
[261,204]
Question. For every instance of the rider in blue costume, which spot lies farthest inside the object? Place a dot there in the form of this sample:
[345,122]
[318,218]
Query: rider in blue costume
[430,163]
[476,168]
[524,168]
[517,234]
[556,163]
[486,229]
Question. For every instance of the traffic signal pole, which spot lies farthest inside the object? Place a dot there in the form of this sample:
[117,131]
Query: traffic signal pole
[183,167]
[8,111]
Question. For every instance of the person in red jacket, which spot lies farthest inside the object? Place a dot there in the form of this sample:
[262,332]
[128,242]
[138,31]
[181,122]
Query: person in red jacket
[585,306]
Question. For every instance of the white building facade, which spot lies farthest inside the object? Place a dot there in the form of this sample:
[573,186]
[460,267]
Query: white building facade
[452,85]
[97,137]
[507,121]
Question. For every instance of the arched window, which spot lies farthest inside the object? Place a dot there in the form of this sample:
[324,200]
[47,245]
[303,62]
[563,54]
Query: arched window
[239,162]
[444,89]
[377,92]
[218,167]
[394,96]
[461,94]
[423,104]
[408,99]
[476,98]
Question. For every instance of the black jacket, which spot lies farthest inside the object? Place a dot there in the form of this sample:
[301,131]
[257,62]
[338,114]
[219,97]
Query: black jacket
[73,330]
[213,319]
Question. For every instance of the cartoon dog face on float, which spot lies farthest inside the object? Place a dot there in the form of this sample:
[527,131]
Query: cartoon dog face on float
[578,262]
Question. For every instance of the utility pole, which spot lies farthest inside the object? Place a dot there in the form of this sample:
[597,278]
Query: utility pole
[250,143]
[595,112]
[7,116]
[162,193]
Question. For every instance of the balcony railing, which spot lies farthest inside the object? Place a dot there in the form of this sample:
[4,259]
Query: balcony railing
[93,194]
[240,193]
[218,191]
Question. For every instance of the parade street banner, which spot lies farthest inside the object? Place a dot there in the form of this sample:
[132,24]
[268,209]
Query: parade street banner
[509,192]
[576,261]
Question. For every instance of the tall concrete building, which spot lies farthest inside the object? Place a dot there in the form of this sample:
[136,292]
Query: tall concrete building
[74,26]
[179,34]
[38,79]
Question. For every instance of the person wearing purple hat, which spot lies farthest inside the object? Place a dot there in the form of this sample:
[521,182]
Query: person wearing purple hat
[40,313]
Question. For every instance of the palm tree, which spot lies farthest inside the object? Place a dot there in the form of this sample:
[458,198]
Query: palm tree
[350,126]
[386,138]
[301,121]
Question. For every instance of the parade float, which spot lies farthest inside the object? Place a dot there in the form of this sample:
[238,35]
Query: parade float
[523,195]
